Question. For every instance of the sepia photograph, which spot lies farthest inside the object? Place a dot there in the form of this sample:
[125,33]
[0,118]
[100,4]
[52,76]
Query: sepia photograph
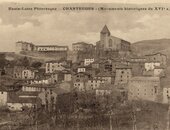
[84,65]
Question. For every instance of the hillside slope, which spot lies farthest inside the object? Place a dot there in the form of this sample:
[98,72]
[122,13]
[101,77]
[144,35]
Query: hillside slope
[152,46]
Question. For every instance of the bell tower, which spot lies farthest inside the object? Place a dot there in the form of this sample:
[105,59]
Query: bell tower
[104,37]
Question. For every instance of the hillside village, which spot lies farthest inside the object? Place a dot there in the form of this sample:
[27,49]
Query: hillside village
[84,79]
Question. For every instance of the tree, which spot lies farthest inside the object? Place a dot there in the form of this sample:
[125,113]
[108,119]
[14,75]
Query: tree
[25,62]
[3,61]
[36,64]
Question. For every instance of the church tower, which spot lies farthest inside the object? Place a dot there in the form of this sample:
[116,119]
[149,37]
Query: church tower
[104,37]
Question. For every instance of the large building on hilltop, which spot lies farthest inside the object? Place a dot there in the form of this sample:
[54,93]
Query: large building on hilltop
[30,47]
[24,46]
[81,51]
[82,46]
[45,51]
[109,43]
[144,88]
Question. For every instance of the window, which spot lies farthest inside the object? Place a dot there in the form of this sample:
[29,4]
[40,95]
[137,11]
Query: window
[155,87]
[110,43]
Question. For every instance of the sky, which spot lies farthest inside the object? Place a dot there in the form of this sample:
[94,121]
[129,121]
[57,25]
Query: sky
[67,27]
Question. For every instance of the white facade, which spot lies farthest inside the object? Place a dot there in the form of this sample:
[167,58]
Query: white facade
[28,74]
[39,81]
[3,98]
[18,106]
[23,46]
[53,66]
[81,70]
[105,79]
[93,84]
[32,88]
[51,48]
[88,61]
[166,94]
[100,92]
[151,65]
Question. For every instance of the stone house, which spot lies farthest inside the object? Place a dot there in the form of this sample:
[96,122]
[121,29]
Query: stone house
[151,65]
[52,66]
[157,57]
[123,75]
[144,88]
[107,77]
[3,96]
[28,74]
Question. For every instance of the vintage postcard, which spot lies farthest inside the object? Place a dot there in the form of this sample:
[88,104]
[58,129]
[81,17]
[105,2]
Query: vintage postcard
[84,65]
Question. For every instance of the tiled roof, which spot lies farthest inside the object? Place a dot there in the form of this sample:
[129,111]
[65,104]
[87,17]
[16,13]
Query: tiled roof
[81,43]
[145,78]
[25,42]
[42,85]
[155,54]
[122,66]
[105,74]
[159,67]
[51,46]
[53,61]
[14,98]
[105,30]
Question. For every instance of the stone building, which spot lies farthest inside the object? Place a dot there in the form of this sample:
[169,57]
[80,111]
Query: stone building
[50,48]
[157,57]
[60,76]
[88,61]
[80,77]
[166,94]
[110,44]
[3,96]
[144,88]
[151,65]
[107,77]
[17,71]
[79,86]
[104,90]
[52,66]
[79,81]
[24,46]
[82,46]
[123,75]
[28,74]
[93,84]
